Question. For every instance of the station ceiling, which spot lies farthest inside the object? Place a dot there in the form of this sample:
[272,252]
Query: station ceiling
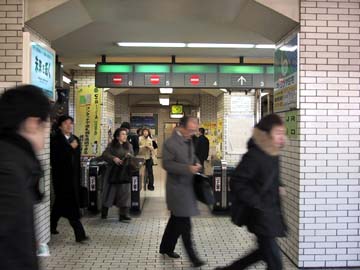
[82,30]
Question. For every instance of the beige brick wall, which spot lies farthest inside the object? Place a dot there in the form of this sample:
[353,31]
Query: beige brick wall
[11,24]
[330,134]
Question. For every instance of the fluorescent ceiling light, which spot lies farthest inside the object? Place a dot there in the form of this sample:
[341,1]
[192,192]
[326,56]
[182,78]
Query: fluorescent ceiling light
[66,80]
[152,44]
[164,100]
[166,90]
[287,48]
[106,89]
[265,46]
[87,65]
[220,45]
[223,90]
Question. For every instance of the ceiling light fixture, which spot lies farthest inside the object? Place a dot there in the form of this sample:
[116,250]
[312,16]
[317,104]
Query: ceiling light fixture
[265,46]
[166,90]
[87,65]
[220,45]
[66,80]
[288,48]
[223,90]
[164,100]
[152,44]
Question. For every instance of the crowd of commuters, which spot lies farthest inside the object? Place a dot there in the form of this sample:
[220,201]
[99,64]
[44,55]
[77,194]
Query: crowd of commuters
[24,125]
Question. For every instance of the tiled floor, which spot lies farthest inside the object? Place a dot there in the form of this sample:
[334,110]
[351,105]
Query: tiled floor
[117,245]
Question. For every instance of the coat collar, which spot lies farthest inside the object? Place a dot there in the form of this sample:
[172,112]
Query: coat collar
[263,140]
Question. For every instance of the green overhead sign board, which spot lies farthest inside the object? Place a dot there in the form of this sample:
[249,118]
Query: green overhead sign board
[113,75]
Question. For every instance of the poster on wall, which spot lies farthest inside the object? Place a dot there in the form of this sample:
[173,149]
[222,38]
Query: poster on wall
[142,120]
[88,119]
[237,141]
[42,69]
[286,75]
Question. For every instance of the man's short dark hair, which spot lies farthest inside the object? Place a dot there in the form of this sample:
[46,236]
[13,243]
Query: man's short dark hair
[185,120]
[202,131]
[64,118]
[125,125]
[19,103]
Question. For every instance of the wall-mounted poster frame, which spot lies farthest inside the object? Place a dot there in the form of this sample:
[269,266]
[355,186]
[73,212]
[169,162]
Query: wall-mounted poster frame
[39,61]
[286,74]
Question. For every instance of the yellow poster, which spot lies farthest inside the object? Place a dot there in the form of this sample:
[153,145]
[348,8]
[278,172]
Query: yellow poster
[88,119]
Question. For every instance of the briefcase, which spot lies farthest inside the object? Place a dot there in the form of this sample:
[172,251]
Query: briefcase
[203,189]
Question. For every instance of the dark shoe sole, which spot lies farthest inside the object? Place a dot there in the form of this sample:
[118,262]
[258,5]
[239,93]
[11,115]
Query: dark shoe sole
[172,256]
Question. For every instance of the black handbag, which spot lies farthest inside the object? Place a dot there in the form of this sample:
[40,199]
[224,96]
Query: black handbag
[119,174]
[203,189]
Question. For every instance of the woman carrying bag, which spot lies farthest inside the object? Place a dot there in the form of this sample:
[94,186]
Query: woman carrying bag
[116,190]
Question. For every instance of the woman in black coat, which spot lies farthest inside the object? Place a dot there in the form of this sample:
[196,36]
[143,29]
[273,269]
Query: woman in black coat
[116,187]
[255,187]
[24,113]
[66,171]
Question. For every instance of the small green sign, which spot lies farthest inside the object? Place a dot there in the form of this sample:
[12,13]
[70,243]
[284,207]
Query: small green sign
[291,123]
[177,109]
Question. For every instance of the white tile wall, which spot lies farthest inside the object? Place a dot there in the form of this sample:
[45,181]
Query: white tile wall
[329,94]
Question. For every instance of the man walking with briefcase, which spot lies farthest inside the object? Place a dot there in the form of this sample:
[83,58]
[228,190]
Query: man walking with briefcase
[178,161]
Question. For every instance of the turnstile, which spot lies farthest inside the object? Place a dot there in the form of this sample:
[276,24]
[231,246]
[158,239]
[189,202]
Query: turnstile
[221,185]
[138,188]
[96,170]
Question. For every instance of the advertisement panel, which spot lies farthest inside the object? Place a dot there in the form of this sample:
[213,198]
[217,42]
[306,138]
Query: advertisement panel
[42,73]
[88,119]
[286,75]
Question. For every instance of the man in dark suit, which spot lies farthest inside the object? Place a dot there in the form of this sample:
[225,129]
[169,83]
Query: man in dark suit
[202,147]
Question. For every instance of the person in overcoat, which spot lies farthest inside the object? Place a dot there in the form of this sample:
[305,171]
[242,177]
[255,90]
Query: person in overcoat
[256,188]
[202,147]
[24,124]
[65,153]
[117,192]
[181,163]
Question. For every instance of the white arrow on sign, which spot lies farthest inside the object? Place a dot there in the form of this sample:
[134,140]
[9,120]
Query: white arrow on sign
[242,80]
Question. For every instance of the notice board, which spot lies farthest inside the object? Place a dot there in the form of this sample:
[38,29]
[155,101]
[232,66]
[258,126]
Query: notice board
[239,131]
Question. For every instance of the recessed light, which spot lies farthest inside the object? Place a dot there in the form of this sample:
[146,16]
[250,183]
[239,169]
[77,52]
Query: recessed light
[166,90]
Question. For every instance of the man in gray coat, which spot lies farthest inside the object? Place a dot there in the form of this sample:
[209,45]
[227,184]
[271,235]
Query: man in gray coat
[181,163]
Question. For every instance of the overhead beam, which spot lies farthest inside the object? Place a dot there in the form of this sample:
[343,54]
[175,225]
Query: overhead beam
[288,8]
[34,8]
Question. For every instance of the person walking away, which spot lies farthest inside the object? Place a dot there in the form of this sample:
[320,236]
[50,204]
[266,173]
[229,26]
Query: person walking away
[180,163]
[256,188]
[24,125]
[202,147]
[132,138]
[117,191]
[146,151]
[65,162]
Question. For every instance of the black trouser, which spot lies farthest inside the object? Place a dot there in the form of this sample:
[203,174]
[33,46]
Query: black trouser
[268,251]
[75,224]
[149,172]
[176,227]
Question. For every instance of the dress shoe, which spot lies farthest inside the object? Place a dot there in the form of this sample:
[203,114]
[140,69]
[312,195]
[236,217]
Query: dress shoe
[198,263]
[151,188]
[173,254]
[124,218]
[81,241]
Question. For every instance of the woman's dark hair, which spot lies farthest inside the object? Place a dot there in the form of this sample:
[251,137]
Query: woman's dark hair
[115,141]
[64,118]
[139,131]
[125,125]
[148,130]
[19,103]
[269,122]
